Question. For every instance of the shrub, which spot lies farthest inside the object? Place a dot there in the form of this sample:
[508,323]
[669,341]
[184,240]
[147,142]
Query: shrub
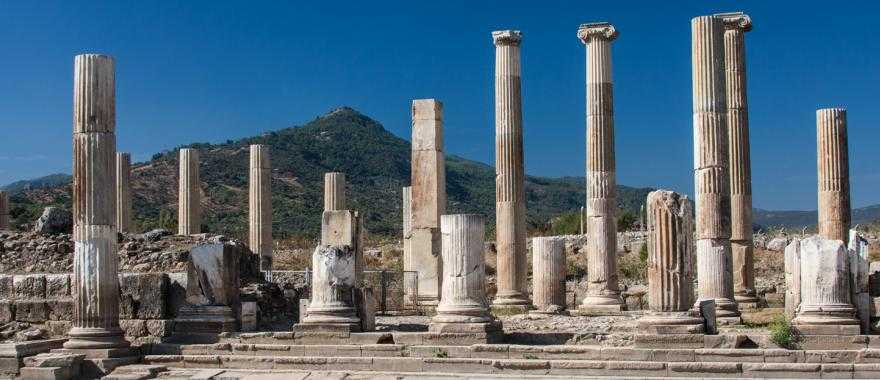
[782,333]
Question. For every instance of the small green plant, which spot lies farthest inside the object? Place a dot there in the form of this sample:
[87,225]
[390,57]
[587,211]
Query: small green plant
[782,333]
[529,356]
[440,353]
[643,253]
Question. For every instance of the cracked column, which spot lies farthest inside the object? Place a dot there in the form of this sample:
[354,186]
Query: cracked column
[548,274]
[603,294]
[428,198]
[670,265]
[741,244]
[4,210]
[833,164]
[189,221]
[95,284]
[334,191]
[260,205]
[123,192]
[463,309]
[711,176]
[825,307]
[510,202]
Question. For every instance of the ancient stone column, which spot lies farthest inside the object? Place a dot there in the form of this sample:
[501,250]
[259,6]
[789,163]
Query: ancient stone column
[603,294]
[714,258]
[428,197]
[334,191]
[95,284]
[260,205]
[4,210]
[510,202]
[123,192]
[792,278]
[410,275]
[548,274]
[189,220]
[735,26]
[833,163]
[859,265]
[463,306]
[670,265]
[826,308]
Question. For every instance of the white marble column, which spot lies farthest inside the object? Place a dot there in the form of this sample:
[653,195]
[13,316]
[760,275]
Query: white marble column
[825,308]
[260,205]
[859,265]
[603,294]
[736,24]
[833,165]
[95,284]
[711,176]
[510,202]
[334,191]
[410,276]
[189,209]
[4,210]
[548,274]
[792,278]
[123,192]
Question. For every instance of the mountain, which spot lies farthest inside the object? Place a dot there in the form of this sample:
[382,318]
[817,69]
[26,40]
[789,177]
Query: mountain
[376,164]
[800,219]
[51,180]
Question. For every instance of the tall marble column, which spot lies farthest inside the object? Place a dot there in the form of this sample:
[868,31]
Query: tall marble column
[123,192]
[463,306]
[260,205]
[825,307]
[711,176]
[4,210]
[548,274]
[95,285]
[833,163]
[603,294]
[510,202]
[410,279]
[189,209]
[334,191]
[741,244]
[670,265]
[428,197]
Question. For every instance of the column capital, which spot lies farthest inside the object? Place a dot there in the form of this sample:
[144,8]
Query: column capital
[507,37]
[736,21]
[588,31]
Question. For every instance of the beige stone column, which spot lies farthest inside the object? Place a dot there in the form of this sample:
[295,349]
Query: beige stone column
[334,191]
[463,306]
[189,209]
[735,26]
[825,308]
[859,266]
[548,274]
[603,294]
[510,202]
[260,205]
[714,258]
[410,275]
[95,285]
[123,192]
[792,278]
[833,163]
[4,210]
[670,265]
[428,197]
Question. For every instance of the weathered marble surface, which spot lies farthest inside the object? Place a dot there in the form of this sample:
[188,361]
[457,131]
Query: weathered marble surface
[833,167]
[260,205]
[189,208]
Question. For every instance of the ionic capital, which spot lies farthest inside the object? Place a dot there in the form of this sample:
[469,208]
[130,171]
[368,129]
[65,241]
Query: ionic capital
[507,37]
[736,20]
[604,30]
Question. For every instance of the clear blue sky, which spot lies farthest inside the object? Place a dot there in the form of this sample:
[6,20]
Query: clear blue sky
[209,71]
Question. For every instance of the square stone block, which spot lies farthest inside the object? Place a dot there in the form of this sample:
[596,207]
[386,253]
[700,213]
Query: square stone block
[58,285]
[31,311]
[142,295]
[7,291]
[29,287]
[7,312]
[60,310]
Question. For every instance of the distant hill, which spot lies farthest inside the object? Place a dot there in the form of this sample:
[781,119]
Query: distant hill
[376,164]
[51,180]
[800,219]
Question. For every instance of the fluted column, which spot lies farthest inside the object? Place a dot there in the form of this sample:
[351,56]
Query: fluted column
[410,279]
[334,191]
[4,210]
[510,204]
[826,307]
[189,209]
[260,205]
[833,163]
[711,176]
[548,274]
[670,264]
[428,197]
[735,26]
[96,287]
[792,278]
[123,192]
[603,294]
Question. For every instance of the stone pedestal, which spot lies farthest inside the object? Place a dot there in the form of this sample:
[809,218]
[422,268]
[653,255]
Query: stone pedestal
[260,205]
[711,175]
[510,202]
[4,210]
[123,192]
[859,285]
[334,191]
[825,307]
[189,209]
[603,293]
[670,266]
[548,274]
[212,291]
[833,167]
[463,307]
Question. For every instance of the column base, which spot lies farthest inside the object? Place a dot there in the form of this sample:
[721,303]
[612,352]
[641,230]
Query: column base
[500,310]
[602,305]
[100,362]
[747,302]
[333,319]
[726,308]
[837,319]
[205,320]
[96,338]
[682,322]
[549,310]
